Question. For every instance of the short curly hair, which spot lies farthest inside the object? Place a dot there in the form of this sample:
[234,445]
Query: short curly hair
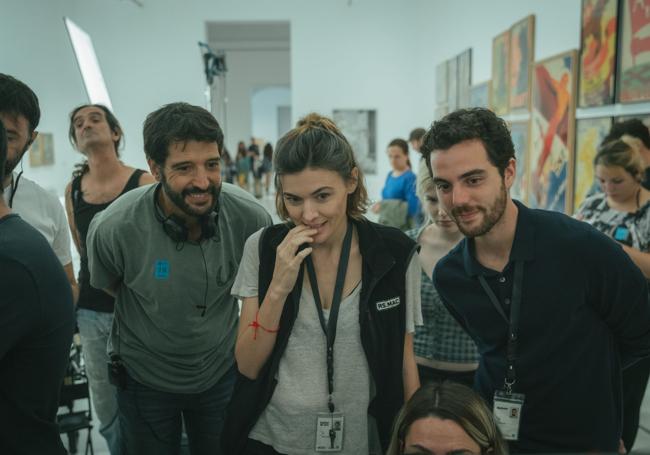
[178,122]
[471,124]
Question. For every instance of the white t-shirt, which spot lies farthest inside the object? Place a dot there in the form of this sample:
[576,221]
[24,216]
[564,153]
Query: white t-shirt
[43,211]
[288,423]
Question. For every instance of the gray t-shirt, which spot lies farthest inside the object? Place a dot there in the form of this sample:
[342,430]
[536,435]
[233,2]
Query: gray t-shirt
[288,423]
[159,328]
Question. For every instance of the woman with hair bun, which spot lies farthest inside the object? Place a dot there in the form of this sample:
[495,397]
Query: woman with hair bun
[330,302]
[399,206]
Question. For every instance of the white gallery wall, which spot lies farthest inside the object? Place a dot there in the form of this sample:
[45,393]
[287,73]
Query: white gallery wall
[345,54]
[249,71]
[264,106]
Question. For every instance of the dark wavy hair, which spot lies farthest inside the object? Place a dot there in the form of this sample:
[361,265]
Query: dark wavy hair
[317,143]
[178,122]
[16,98]
[113,124]
[632,127]
[471,124]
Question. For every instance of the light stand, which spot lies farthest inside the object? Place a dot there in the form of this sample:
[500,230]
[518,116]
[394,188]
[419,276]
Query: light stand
[214,65]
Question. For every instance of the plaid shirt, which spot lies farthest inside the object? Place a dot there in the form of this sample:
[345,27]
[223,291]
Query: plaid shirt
[440,338]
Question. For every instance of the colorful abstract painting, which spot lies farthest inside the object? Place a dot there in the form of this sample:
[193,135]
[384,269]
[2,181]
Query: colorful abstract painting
[519,134]
[598,52]
[479,95]
[550,170]
[522,49]
[634,52]
[589,134]
[499,87]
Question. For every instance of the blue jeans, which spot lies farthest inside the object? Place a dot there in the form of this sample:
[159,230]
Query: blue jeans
[151,420]
[94,329]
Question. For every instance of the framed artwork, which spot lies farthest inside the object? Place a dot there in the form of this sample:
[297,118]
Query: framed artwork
[590,132]
[441,83]
[464,65]
[479,95]
[634,52]
[359,127]
[519,134]
[41,153]
[550,169]
[522,55]
[452,84]
[500,79]
[598,36]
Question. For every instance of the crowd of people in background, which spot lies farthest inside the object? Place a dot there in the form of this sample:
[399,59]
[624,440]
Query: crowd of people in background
[461,322]
[251,170]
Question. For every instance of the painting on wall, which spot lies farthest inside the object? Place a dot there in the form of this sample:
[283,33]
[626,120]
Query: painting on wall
[519,134]
[479,95]
[41,152]
[464,65]
[550,169]
[589,134]
[441,83]
[500,79]
[634,52]
[598,52]
[522,54]
[452,84]
[359,128]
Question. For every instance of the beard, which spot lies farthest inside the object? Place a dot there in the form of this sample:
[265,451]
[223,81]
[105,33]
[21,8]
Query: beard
[491,214]
[11,163]
[178,198]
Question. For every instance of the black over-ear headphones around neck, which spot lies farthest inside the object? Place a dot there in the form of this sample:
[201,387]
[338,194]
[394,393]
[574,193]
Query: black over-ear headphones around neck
[176,228]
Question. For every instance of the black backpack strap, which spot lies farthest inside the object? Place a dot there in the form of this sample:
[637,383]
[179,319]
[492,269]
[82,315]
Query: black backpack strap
[75,192]
[260,246]
[133,181]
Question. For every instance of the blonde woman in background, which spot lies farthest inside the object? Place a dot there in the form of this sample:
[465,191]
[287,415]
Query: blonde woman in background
[446,418]
[622,211]
[442,348]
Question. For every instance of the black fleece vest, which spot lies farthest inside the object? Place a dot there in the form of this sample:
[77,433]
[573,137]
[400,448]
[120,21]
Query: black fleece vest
[386,253]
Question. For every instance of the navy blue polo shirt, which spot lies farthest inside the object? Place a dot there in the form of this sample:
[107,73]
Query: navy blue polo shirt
[584,314]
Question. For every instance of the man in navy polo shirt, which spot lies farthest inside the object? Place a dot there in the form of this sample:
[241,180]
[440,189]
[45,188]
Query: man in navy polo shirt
[556,308]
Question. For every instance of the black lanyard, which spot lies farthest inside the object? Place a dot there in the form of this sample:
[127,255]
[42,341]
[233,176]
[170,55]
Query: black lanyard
[513,321]
[330,328]
[14,188]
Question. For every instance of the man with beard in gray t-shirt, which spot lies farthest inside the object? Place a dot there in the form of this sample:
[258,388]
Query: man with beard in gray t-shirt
[169,253]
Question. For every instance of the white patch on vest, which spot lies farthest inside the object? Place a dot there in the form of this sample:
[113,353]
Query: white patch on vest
[388,304]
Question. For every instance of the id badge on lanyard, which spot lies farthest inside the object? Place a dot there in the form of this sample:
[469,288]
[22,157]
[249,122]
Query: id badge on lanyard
[508,405]
[507,413]
[329,432]
[329,425]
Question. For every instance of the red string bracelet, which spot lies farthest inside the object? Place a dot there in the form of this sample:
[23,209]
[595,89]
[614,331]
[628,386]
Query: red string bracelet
[255,324]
